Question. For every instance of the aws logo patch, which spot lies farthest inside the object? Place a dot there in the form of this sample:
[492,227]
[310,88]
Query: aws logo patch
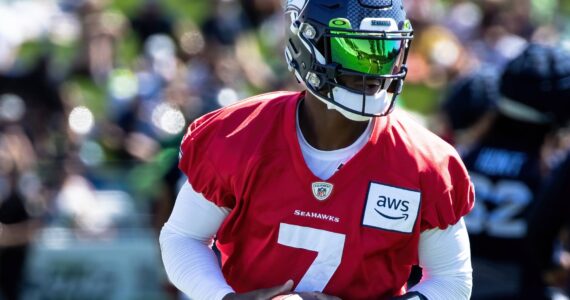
[391,208]
[399,206]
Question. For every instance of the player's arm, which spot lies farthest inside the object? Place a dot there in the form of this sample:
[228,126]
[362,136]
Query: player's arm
[184,241]
[445,257]
[190,263]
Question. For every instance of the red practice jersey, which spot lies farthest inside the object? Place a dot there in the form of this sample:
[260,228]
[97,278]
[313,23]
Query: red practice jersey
[354,235]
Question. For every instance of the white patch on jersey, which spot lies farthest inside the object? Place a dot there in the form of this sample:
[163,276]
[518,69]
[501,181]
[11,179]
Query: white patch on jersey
[322,190]
[391,208]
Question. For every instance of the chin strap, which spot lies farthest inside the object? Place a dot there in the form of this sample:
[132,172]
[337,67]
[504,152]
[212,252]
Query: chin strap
[410,296]
[347,114]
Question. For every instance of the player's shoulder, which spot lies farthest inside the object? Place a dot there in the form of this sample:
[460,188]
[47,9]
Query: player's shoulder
[261,103]
[229,139]
[446,190]
[245,115]
[427,148]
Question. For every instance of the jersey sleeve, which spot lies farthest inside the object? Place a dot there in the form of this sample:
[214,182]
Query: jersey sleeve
[448,196]
[197,158]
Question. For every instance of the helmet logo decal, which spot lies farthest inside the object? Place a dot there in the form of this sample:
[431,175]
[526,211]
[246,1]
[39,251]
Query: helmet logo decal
[322,190]
[340,22]
[380,23]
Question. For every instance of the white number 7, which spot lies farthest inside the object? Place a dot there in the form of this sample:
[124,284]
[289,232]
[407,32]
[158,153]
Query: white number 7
[328,245]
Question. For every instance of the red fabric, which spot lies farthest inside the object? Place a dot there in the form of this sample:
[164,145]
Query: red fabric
[247,157]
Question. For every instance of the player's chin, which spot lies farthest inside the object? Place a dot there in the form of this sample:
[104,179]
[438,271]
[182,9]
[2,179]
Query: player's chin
[288,297]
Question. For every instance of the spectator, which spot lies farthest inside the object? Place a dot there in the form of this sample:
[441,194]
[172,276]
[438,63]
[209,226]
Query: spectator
[17,226]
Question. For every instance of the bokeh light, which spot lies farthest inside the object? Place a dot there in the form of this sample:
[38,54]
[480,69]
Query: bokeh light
[160,46]
[12,108]
[81,120]
[65,30]
[168,119]
[123,84]
[192,42]
[467,14]
[445,52]
[227,96]
[91,153]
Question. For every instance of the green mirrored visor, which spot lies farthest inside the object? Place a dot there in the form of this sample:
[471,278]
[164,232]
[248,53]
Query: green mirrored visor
[367,53]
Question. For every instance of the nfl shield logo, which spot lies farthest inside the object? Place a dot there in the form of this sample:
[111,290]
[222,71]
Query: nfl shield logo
[322,190]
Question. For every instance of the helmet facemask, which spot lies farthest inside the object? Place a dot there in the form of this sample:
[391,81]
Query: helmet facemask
[361,71]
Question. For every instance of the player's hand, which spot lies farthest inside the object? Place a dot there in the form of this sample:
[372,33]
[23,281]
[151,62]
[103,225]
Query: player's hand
[306,296]
[263,294]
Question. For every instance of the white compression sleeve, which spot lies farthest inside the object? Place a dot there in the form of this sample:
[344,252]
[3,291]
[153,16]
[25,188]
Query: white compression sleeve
[445,257]
[184,241]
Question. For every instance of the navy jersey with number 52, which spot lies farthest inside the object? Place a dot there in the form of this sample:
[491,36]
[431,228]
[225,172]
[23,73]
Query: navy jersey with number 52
[505,170]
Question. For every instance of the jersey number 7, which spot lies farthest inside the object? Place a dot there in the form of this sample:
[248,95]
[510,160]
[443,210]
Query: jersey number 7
[328,245]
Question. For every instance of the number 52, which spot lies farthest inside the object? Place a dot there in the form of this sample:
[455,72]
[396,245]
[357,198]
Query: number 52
[510,197]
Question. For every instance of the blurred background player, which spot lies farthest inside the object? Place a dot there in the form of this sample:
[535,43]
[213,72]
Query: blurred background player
[548,232]
[506,168]
[468,107]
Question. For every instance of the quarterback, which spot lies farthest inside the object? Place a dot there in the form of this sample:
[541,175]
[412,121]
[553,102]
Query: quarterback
[326,193]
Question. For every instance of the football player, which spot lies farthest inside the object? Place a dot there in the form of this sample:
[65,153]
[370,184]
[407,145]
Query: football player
[505,169]
[469,107]
[549,219]
[323,194]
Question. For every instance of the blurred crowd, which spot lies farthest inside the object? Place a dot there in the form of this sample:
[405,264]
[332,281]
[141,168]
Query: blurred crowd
[95,96]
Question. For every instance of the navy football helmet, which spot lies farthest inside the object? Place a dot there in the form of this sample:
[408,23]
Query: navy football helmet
[367,41]
[470,97]
[536,85]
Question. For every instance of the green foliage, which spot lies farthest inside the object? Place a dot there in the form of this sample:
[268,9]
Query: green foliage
[89,94]
[29,53]
[128,7]
[419,98]
[543,11]
[145,178]
[128,49]
[196,10]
